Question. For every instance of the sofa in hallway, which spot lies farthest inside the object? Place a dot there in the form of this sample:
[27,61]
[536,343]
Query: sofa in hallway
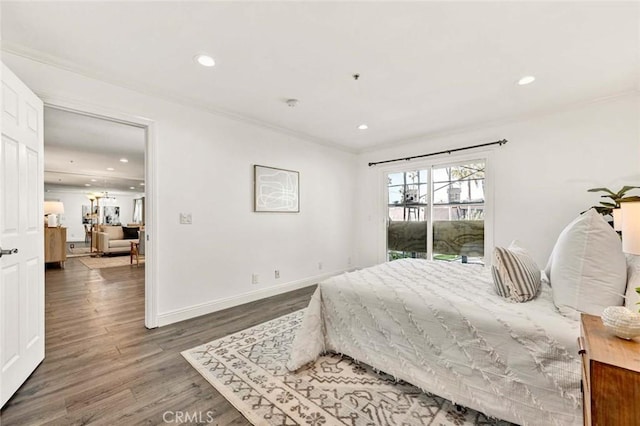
[115,238]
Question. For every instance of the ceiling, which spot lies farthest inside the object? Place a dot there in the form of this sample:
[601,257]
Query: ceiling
[78,149]
[426,68]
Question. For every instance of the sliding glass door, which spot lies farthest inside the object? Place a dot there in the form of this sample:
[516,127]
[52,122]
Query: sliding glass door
[437,212]
[408,210]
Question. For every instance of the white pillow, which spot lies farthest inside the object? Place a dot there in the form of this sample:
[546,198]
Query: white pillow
[632,298]
[547,269]
[588,269]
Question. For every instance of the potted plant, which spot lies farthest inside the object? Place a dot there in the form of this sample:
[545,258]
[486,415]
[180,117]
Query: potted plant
[615,198]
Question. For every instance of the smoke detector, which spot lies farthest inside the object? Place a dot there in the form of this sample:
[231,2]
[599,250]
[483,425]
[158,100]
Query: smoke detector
[292,102]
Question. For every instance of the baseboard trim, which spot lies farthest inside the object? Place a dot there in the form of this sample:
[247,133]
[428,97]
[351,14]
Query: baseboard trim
[218,305]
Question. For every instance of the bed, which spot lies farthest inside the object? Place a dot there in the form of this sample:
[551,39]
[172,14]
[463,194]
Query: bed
[442,327]
[455,330]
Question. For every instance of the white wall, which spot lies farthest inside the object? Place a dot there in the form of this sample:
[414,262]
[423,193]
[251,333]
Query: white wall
[73,201]
[541,175]
[204,167]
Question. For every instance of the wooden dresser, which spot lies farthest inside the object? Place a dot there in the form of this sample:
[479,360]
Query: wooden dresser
[55,245]
[610,375]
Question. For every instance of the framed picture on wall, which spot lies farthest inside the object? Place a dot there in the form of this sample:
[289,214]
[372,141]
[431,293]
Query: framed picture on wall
[111,215]
[88,217]
[86,214]
[276,190]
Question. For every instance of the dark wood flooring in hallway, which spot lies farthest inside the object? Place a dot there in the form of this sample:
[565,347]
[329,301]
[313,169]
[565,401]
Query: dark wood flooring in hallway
[102,366]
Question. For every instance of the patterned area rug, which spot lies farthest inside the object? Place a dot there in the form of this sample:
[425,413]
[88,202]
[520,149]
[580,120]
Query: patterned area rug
[108,261]
[248,369]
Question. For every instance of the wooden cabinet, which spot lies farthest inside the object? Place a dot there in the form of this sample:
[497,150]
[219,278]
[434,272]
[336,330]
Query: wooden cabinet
[55,245]
[610,375]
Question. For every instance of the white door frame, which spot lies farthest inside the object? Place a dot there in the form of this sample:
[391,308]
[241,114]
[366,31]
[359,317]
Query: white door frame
[151,217]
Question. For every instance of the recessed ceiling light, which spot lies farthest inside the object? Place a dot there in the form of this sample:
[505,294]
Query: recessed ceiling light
[110,169]
[526,80]
[205,60]
[141,183]
[132,187]
[86,184]
[124,160]
[363,127]
[94,180]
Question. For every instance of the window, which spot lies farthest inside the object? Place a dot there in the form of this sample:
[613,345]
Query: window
[437,212]
[138,210]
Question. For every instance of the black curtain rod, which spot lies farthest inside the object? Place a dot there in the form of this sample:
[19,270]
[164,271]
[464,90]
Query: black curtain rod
[448,151]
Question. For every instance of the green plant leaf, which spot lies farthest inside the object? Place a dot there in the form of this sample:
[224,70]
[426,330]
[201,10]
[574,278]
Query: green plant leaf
[628,188]
[606,207]
[602,210]
[602,190]
[611,205]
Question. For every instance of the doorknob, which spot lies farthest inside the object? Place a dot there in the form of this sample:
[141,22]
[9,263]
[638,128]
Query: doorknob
[10,251]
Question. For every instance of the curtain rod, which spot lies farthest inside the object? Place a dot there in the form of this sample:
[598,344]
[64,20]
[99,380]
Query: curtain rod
[448,151]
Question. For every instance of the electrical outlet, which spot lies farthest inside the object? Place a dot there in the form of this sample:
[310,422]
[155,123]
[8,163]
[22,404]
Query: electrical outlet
[185,219]
[320,265]
[277,273]
[255,278]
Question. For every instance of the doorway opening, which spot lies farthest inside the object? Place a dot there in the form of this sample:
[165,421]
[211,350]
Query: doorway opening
[98,165]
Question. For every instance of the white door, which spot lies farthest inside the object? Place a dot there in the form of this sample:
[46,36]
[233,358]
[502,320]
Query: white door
[21,228]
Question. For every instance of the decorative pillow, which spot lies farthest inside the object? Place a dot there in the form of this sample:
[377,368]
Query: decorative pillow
[130,233]
[588,269]
[515,274]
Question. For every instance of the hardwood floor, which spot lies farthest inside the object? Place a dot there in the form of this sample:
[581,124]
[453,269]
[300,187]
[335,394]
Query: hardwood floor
[102,366]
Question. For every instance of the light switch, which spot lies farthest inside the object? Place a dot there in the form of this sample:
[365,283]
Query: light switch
[185,218]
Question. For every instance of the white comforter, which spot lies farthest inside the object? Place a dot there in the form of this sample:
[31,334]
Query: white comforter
[440,326]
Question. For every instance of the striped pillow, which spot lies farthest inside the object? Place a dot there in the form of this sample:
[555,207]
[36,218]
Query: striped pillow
[515,274]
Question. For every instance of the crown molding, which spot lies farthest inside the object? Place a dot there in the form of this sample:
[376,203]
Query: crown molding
[480,125]
[152,91]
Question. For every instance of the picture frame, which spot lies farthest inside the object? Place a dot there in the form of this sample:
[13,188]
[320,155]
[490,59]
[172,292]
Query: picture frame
[111,215]
[89,217]
[275,190]
[86,215]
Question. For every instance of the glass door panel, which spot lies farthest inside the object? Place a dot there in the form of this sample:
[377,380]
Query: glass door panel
[437,212]
[458,212]
[408,202]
